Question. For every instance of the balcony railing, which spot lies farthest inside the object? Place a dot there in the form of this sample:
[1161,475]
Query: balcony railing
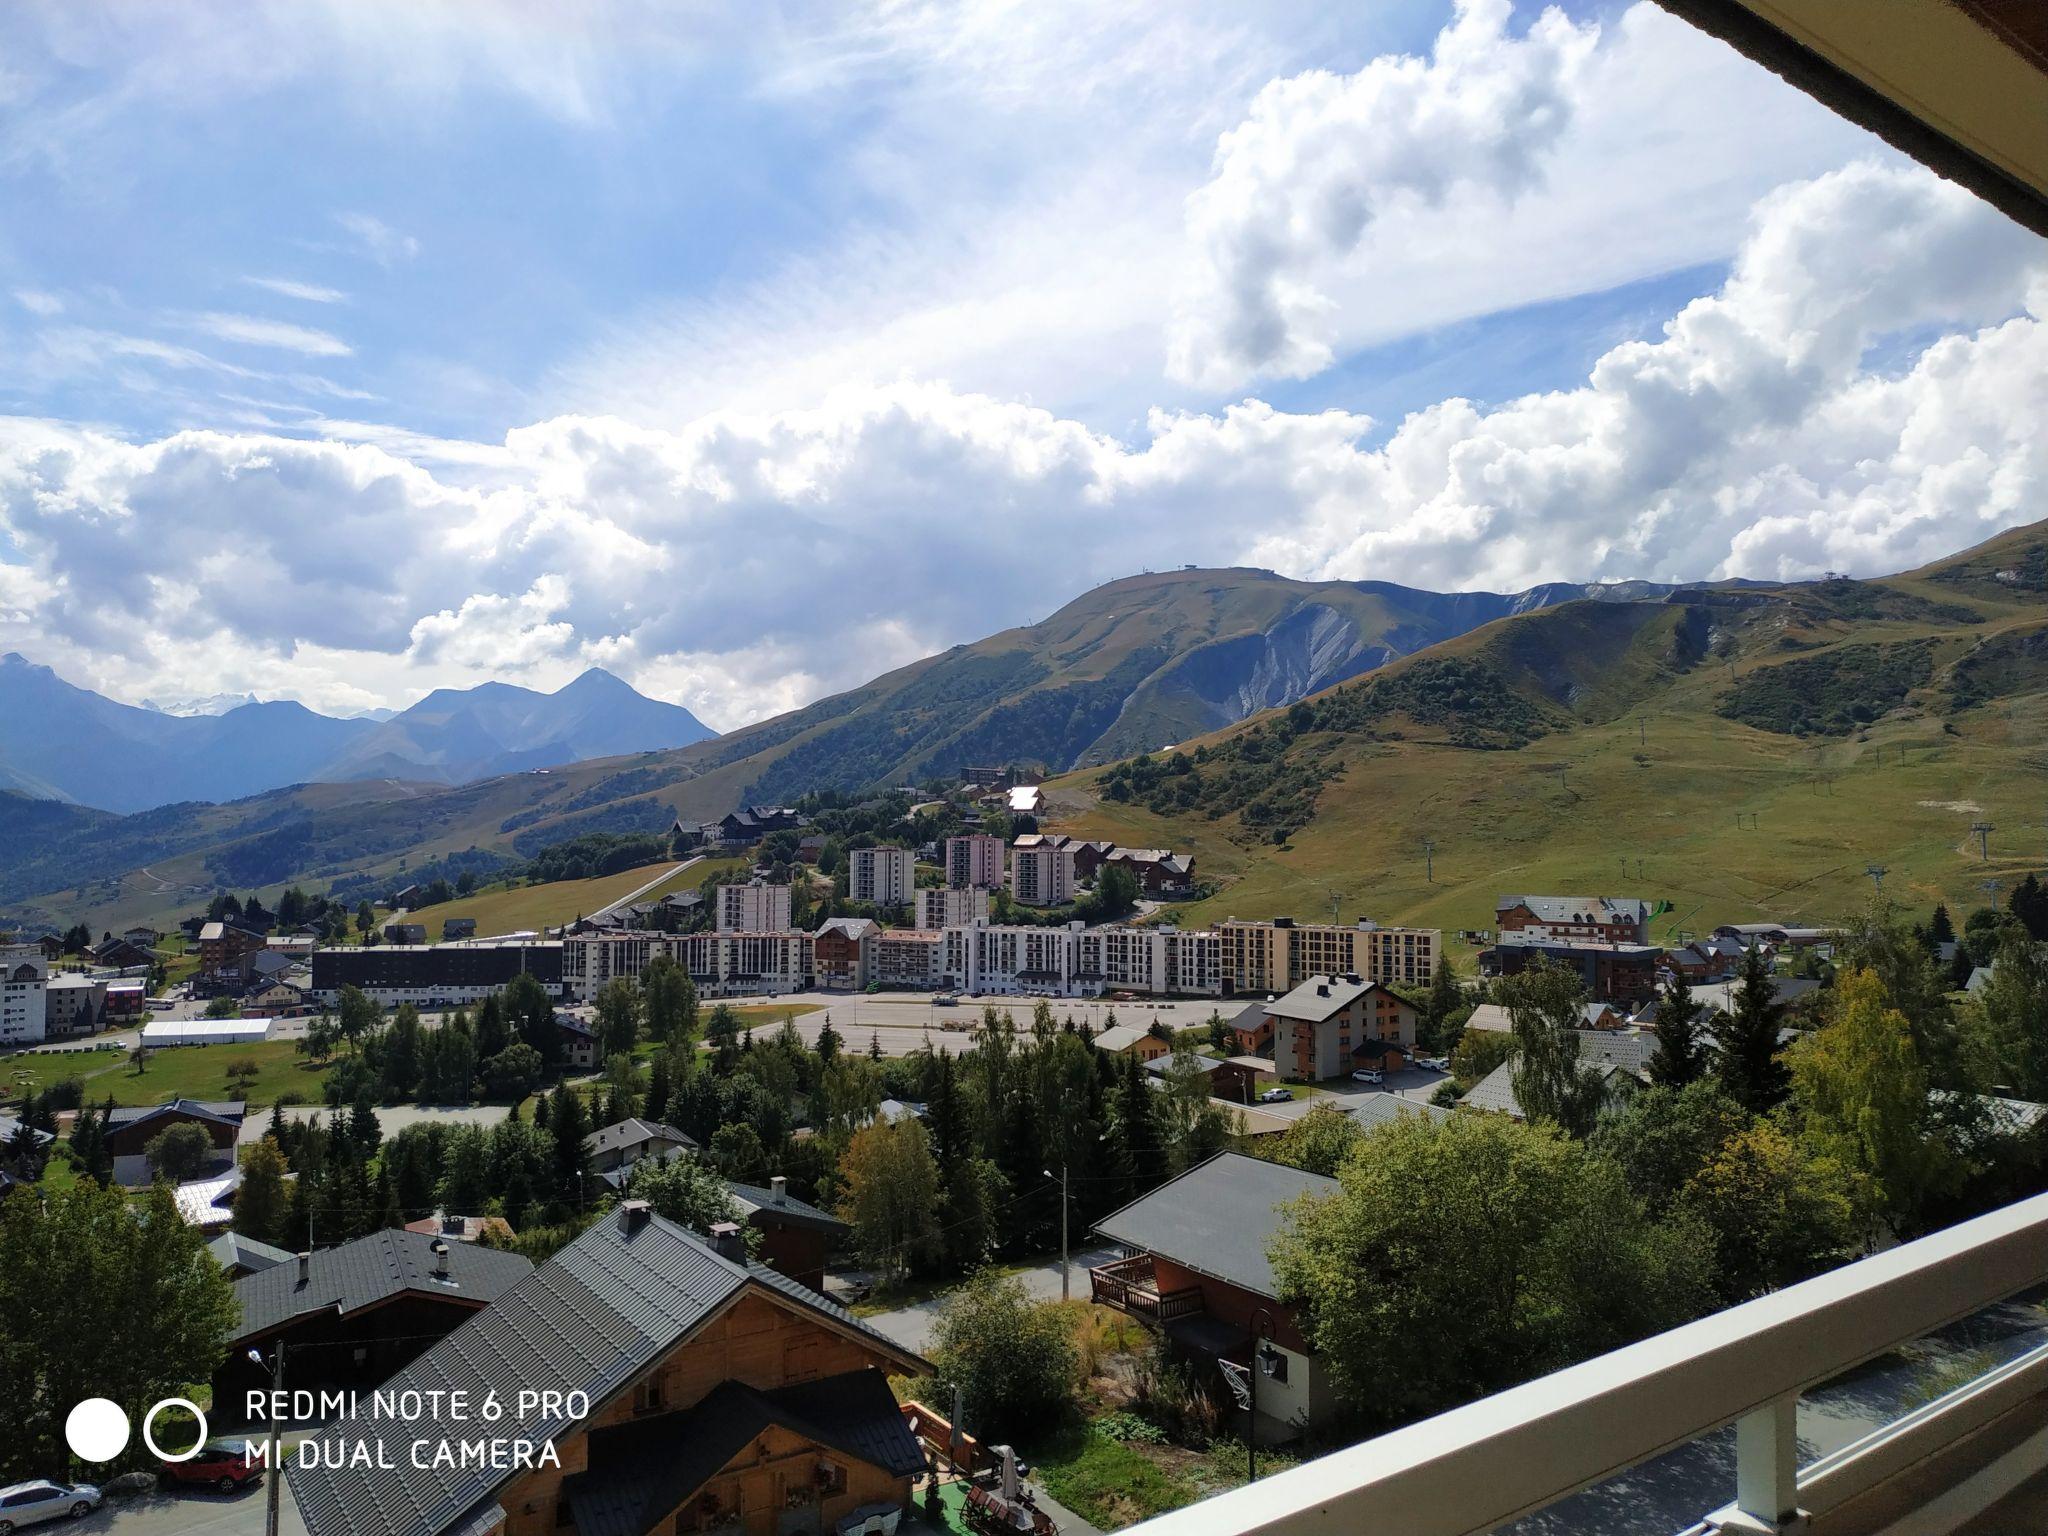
[1509,1455]
[1132,1285]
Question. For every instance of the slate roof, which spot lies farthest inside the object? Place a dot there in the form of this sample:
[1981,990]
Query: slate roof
[1120,1037]
[591,1319]
[632,1133]
[219,1111]
[639,1473]
[369,1270]
[231,1250]
[1606,1050]
[1217,1218]
[1371,1109]
[790,1209]
[10,1127]
[1575,909]
[1320,997]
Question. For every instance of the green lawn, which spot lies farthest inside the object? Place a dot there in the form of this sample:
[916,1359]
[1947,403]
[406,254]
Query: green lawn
[515,908]
[185,1071]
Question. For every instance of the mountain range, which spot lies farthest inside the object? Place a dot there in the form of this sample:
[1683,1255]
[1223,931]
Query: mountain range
[67,743]
[1332,730]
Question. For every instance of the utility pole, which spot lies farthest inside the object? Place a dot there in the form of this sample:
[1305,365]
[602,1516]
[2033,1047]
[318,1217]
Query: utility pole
[1429,859]
[1336,900]
[1990,890]
[273,1469]
[1983,830]
[1642,732]
[1877,873]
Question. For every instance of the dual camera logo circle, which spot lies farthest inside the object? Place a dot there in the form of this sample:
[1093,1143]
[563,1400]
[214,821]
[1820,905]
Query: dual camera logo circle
[98,1429]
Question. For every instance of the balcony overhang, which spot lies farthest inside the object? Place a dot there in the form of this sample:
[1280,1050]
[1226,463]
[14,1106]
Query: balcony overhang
[1960,85]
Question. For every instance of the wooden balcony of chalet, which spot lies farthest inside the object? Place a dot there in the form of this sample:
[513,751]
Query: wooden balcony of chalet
[1132,1285]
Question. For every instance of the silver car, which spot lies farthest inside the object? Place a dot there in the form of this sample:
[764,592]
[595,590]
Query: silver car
[32,1503]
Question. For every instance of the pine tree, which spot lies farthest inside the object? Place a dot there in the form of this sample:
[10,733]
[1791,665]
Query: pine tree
[568,1126]
[1747,1037]
[261,1207]
[1679,1058]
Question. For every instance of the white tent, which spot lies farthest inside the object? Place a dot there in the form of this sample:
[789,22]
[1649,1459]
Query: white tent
[206,1031]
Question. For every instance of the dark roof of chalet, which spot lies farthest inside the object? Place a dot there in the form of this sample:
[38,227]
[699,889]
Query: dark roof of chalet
[591,1319]
[1217,1218]
[231,1250]
[1319,997]
[219,1111]
[10,1127]
[640,1472]
[371,1269]
[790,1209]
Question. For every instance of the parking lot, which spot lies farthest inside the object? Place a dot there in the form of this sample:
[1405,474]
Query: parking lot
[187,1512]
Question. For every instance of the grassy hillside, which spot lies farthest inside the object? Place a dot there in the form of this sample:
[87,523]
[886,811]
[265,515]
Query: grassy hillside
[516,907]
[1735,754]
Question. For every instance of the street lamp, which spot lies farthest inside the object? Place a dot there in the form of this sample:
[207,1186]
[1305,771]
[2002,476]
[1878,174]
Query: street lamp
[1266,1361]
[1064,1278]
[275,1471]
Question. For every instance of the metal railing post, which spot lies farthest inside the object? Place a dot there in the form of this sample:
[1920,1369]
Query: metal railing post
[1767,1469]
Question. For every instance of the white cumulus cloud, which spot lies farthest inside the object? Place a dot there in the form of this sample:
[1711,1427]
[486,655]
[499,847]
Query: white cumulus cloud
[1319,157]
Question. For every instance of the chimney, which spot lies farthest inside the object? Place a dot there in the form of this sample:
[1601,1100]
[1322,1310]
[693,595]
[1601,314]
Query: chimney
[633,1215]
[305,1268]
[778,1189]
[439,1249]
[725,1241]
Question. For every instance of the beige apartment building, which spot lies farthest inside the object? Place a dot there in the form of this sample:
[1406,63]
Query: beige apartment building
[1279,955]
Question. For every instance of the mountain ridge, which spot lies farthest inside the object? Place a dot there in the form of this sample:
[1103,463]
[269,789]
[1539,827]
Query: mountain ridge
[60,741]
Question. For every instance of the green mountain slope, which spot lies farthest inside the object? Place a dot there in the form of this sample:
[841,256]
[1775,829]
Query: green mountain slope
[1737,753]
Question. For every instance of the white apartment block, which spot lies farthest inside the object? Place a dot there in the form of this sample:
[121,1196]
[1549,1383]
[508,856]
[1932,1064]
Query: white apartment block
[720,964]
[882,877]
[951,907]
[24,994]
[974,862]
[1077,961]
[1042,875]
[910,957]
[756,907]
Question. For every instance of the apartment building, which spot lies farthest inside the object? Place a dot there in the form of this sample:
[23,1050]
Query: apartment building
[881,877]
[1077,961]
[910,957]
[1042,873]
[842,953]
[974,862]
[24,989]
[73,1005]
[1603,919]
[719,964]
[1331,1025]
[1277,956]
[435,975]
[756,907]
[951,906]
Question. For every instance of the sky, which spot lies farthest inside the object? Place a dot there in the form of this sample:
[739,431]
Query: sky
[349,348]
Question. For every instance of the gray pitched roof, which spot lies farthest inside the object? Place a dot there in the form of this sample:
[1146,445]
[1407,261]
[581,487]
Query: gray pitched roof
[591,1319]
[231,1250]
[1217,1218]
[220,1111]
[1371,1109]
[753,1198]
[369,1270]
[639,1473]
[1571,909]
[632,1133]
[1321,997]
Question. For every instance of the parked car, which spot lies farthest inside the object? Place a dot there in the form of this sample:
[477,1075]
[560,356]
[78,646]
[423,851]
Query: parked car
[221,1466]
[1275,1096]
[1371,1075]
[1436,1063]
[33,1503]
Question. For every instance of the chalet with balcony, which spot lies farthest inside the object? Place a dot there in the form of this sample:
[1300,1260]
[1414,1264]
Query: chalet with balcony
[721,1396]
[1196,1269]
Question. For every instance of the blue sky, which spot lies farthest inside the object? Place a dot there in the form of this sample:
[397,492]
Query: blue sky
[713,344]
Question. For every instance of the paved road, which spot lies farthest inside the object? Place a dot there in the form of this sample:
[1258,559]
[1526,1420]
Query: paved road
[185,1513]
[912,1326]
